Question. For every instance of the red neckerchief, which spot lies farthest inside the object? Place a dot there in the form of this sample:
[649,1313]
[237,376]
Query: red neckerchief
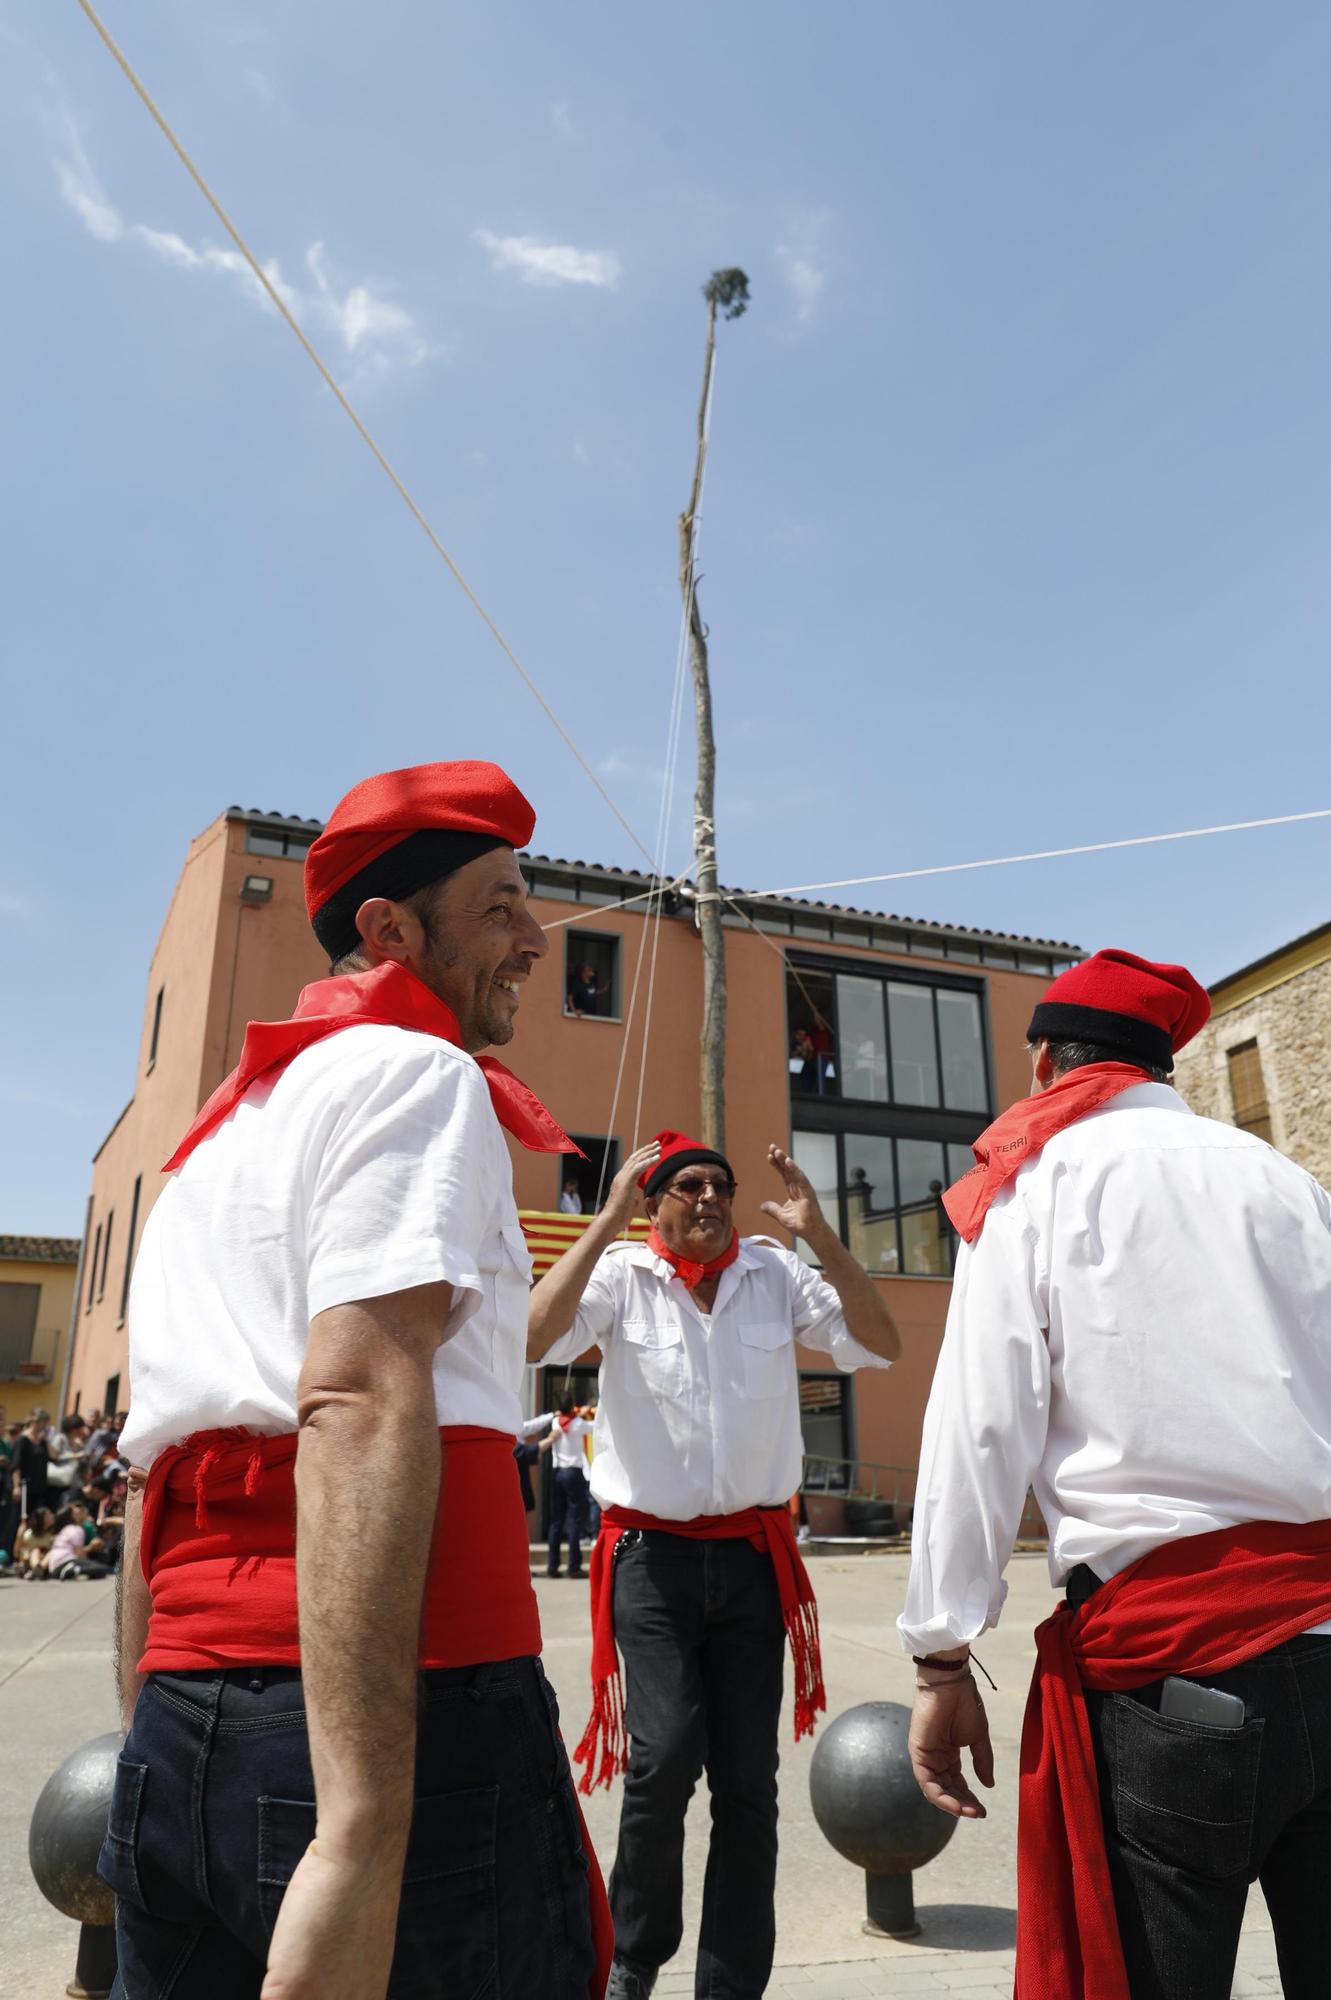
[391,997]
[1195,1607]
[603,1751]
[1021,1133]
[685,1268]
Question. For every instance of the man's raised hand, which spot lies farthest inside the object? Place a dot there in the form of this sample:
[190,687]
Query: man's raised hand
[621,1204]
[800,1212]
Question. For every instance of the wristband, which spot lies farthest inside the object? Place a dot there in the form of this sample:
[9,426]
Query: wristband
[939,1665]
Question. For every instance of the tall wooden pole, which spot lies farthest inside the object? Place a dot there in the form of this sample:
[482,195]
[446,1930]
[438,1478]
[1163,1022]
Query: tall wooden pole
[712,1047]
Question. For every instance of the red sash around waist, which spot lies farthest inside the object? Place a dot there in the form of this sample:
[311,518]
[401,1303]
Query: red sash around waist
[218,1550]
[769,1529]
[1193,1607]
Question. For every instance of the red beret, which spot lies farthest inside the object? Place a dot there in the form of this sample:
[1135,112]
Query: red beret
[380,812]
[1123,1002]
[677,1151]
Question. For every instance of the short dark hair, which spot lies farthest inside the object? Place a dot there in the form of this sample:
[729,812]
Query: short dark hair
[64,1519]
[421,903]
[565,1404]
[1066,1055]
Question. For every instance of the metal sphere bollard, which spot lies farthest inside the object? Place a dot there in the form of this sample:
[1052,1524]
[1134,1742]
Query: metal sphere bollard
[870,1808]
[64,1841]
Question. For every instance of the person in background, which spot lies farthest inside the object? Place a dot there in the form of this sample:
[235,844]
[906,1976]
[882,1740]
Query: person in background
[33,1543]
[570,1196]
[1139,1329]
[695,1573]
[111,1520]
[9,1507]
[586,991]
[29,1484]
[567,1445]
[68,1556]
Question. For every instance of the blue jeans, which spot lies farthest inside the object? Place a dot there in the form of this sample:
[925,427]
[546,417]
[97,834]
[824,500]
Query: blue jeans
[570,1505]
[699,1625]
[212,1809]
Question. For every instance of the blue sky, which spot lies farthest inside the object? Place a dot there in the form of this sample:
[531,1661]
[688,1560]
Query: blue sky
[1016,526]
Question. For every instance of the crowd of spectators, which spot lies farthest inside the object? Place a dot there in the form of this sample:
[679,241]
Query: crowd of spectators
[62,1496]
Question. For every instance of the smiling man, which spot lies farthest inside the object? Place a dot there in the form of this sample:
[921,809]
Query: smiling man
[343,1777]
[695,1573]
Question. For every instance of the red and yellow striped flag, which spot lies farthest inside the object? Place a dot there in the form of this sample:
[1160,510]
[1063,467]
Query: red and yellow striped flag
[549,1236]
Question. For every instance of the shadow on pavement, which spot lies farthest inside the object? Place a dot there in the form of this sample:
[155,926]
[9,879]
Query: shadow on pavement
[965,1927]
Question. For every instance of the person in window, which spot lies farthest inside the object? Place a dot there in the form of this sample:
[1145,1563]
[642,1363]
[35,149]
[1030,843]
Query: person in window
[695,1574]
[570,1196]
[1138,1330]
[588,993]
[803,1063]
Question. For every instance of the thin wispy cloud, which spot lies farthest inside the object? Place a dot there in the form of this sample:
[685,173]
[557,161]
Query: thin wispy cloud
[562,122]
[802,261]
[374,330]
[539,263]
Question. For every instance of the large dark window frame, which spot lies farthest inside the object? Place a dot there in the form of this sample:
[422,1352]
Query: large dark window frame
[887,1118]
[849,1117]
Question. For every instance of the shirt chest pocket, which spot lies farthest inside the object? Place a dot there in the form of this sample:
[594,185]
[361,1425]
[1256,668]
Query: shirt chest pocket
[768,1349]
[653,1352]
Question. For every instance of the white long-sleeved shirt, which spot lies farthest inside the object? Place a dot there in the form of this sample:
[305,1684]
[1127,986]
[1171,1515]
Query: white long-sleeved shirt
[698,1413]
[568,1450]
[1141,1332]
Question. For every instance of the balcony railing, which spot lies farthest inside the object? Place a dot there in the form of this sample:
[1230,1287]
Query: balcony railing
[38,1365]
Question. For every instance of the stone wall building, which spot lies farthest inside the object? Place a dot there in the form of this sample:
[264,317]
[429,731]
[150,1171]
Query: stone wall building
[1263,1061]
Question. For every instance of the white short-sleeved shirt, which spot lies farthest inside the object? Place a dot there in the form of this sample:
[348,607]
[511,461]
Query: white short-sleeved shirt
[698,1413]
[1141,1331]
[372,1164]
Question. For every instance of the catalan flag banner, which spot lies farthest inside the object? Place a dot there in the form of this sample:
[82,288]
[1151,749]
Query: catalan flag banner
[549,1236]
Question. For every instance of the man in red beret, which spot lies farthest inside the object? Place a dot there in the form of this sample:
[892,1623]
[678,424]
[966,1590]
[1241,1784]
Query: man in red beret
[695,1576]
[1138,1329]
[344,1777]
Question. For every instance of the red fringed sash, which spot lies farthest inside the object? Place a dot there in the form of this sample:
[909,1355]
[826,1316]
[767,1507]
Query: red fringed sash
[770,1530]
[1193,1607]
[1023,1131]
[687,1269]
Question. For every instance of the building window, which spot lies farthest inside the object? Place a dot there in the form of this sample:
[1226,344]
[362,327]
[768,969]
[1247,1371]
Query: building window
[825,1428]
[591,975]
[111,1400]
[92,1267]
[129,1249]
[870,1038]
[884,1195]
[18,1323]
[157,1026]
[581,1180]
[1247,1087]
[277,842]
[106,1254]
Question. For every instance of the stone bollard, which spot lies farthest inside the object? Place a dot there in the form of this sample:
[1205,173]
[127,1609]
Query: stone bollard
[64,1841]
[870,1808]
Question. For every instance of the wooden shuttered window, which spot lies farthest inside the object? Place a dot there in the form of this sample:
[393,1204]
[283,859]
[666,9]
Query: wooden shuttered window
[1247,1087]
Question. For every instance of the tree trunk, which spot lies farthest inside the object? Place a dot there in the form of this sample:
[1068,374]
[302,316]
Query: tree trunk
[713,1037]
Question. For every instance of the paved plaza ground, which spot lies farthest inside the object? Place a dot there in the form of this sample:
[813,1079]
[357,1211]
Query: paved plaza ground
[55,1692]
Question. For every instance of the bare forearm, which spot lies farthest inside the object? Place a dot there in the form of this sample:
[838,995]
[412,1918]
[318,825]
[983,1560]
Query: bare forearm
[360,1622]
[862,1301]
[133,1604]
[554,1302]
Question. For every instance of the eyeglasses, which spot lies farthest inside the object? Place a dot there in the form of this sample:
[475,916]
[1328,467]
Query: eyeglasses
[691,1186]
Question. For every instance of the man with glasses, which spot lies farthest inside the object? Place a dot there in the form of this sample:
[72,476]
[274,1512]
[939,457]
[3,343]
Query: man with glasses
[695,1576]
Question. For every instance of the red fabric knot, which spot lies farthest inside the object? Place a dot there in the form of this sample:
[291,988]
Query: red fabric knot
[686,1269]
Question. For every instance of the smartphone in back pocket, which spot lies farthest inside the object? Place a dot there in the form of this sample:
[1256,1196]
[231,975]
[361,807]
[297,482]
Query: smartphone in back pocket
[1185,1701]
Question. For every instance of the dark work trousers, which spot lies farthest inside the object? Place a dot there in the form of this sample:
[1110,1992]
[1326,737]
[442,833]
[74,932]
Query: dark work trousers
[212,1810]
[700,1629]
[1194,1815]
[570,1505]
